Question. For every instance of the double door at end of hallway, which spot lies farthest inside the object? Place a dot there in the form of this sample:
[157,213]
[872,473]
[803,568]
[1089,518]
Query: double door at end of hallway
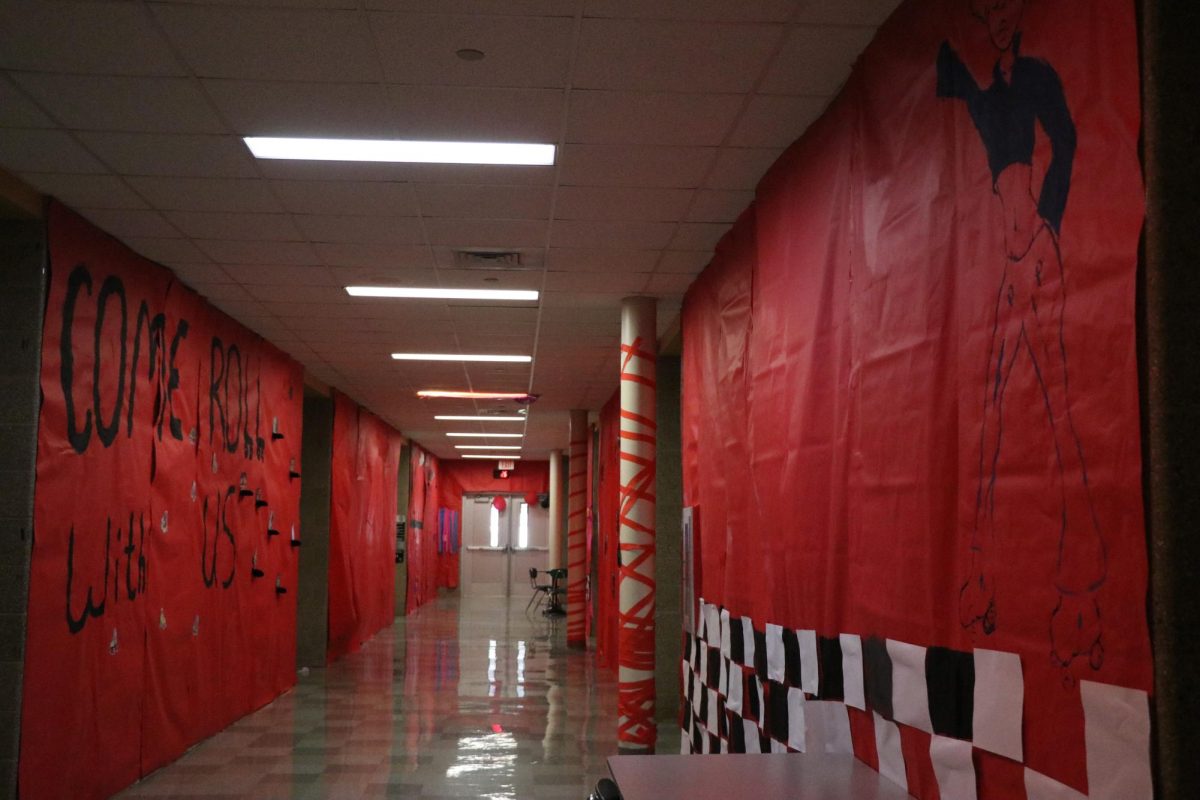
[501,546]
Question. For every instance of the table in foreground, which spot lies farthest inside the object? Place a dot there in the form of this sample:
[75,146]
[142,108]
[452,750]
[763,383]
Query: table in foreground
[782,776]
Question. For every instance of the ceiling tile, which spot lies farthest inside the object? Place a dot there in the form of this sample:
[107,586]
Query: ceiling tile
[364,230]
[719,206]
[672,56]
[280,253]
[621,203]
[741,168]
[264,275]
[171,154]
[29,150]
[102,103]
[131,222]
[638,165]
[192,274]
[474,201]
[98,38]
[604,233]
[285,108]
[596,259]
[776,120]
[421,173]
[524,8]
[670,283]
[663,118]
[688,262]
[708,10]
[292,293]
[379,257]
[242,195]
[698,235]
[595,282]
[167,251]
[815,59]
[280,3]
[18,111]
[468,233]
[846,12]
[85,191]
[346,197]
[476,113]
[242,227]
[519,51]
[271,44]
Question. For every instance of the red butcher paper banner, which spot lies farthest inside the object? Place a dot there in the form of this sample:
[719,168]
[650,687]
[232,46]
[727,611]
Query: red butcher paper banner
[162,600]
[911,411]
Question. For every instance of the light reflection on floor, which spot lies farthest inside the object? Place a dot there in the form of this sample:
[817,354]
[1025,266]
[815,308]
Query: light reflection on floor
[466,698]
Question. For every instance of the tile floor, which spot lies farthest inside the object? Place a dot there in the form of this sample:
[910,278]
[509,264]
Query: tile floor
[465,698]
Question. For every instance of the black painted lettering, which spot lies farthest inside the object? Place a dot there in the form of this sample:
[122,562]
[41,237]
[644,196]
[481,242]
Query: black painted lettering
[108,433]
[80,278]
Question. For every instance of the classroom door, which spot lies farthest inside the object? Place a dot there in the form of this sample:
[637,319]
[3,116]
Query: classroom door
[499,547]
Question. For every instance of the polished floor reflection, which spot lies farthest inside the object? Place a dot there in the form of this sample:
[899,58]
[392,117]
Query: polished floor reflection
[469,698]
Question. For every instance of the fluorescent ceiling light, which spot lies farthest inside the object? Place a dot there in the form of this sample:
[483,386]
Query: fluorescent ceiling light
[491,458]
[479,419]
[488,435]
[452,357]
[402,150]
[474,395]
[434,293]
[487,447]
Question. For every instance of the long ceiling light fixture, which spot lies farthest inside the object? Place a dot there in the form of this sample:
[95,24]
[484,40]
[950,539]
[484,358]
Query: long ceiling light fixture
[491,458]
[520,397]
[401,151]
[435,293]
[451,418]
[487,447]
[487,435]
[452,357]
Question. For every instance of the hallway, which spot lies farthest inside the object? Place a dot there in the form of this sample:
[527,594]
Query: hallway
[464,698]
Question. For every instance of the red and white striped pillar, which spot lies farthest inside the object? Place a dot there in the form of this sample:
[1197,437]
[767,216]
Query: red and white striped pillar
[635,644]
[576,528]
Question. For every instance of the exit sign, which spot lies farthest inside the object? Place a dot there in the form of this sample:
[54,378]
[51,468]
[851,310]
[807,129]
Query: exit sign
[508,466]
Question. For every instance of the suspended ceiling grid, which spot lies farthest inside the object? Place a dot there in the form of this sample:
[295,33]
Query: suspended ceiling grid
[666,115]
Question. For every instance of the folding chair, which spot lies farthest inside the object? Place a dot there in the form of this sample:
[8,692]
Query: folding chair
[540,590]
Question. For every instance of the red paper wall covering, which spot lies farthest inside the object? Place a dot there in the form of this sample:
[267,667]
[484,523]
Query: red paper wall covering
[362,526]
[878,428]
[168,449]
[422,554]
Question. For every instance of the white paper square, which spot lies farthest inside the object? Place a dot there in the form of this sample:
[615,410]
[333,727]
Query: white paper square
[724,746]
[726,639]
[705,744]
[809,671]
[712,625]
[910,693]
[748,640]
[750,733]
[733,700]
[685,744]
[703,667]
[685,674]
[723,685]
[999,703]
[891,757]
[700,619]
[1117,735]
[796,726]
[697,692]
[778,747]
[1040,787]
[828,725]
[852,671]
[712,711]
[953,768]
[775,659]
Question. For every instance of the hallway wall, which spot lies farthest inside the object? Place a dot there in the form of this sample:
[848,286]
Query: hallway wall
[903,511]
[168,436]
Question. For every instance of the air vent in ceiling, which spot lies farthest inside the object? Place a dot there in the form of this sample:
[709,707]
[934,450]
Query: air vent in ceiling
[490,260]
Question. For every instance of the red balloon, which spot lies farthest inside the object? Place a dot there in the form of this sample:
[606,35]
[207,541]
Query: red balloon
[499,503]
[531,498]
